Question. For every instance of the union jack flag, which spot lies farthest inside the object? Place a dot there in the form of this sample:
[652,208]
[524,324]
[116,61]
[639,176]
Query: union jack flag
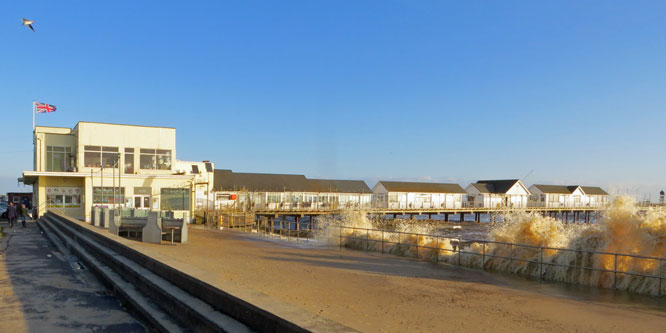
[44,108]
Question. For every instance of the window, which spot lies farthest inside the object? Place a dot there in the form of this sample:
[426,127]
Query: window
[220,196]
[97,156]
[393,197]
[129,160]
[57,158]
[175,198]
[104,195]
[195,169]
[63,197]
[155,159]
[274,198]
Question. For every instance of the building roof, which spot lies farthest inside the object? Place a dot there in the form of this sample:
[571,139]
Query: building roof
[117,124]
[495,186]
[559,189]
[421,187]
[339,186]
[227,180]
[593,190]
[569,189]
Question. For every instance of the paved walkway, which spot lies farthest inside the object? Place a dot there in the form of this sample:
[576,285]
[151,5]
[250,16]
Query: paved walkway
[45,290]
[372,292]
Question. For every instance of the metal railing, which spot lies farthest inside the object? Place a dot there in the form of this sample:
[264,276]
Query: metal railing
[458,246]
[298,231]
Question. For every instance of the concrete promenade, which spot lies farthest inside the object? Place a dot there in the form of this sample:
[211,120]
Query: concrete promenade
[44,289]
[372,292]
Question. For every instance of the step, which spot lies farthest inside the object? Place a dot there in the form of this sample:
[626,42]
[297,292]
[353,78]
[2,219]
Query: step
[189,311]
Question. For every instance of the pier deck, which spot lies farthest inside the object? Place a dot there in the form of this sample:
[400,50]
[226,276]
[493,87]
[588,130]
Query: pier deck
[373,292]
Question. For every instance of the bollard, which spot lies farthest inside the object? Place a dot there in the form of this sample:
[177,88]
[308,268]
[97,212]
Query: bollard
[95,216]
[104,218]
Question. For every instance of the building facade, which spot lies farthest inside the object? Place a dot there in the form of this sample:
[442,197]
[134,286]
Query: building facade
[261,191]
[414,195]
[113,165]
[507,193]
[565,196]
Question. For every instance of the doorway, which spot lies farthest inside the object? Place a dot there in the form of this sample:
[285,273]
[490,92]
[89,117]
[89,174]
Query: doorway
[142,201]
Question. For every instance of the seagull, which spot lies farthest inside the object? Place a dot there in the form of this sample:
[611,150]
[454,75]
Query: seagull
[28,23]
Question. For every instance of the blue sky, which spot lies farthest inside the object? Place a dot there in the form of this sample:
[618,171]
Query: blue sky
[414,90]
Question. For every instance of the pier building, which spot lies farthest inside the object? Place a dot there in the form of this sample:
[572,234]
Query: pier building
[510,193]
[275,192]
[203,180]
[111,165]
[556,196]
[415,195]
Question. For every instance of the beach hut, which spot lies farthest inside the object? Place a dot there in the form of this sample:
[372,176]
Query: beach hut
[414,195]
[565,196]
[510,193]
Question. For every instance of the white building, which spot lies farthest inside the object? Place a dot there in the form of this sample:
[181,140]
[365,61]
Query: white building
[510,193]
[262,191]
[109,165]
[203,177]
[564,196]
[414,195]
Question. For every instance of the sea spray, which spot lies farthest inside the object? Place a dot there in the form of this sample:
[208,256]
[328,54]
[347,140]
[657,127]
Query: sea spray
[556,251]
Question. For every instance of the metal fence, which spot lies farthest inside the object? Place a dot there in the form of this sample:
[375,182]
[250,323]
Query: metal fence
[381,238]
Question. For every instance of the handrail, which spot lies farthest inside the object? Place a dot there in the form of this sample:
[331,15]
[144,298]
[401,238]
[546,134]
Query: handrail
[458,249]
[473,240]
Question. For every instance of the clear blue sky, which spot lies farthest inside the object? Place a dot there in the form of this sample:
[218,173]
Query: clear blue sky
[433,90]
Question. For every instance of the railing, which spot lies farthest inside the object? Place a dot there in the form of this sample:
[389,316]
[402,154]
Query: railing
[458,246]
[299,231]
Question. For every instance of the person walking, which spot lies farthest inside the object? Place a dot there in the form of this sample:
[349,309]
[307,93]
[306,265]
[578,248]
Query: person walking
[23,213]
[11,214]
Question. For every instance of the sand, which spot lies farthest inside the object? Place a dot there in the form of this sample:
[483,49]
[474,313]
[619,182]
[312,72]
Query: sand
[374,292]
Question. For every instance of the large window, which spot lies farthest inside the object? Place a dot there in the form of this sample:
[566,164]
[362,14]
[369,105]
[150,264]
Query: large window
[58,158]
[175,199]
[63,197]
[97,156]
[129,160]
[104,195]
[155,159]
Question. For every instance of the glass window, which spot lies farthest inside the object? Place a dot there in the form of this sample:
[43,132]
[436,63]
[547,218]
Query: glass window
[104,195]
[63,201]
[58,158]
[393,197]
[97,156]
[163,159]
[175,198]
[129,160]
[156,159]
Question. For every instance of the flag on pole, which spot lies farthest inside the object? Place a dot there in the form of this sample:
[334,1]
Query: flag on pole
[44,108]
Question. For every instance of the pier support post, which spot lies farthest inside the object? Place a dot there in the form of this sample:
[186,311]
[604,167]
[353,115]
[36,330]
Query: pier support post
[446,217]
[462,217]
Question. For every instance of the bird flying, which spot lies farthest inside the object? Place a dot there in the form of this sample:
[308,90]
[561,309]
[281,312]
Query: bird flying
[28,23]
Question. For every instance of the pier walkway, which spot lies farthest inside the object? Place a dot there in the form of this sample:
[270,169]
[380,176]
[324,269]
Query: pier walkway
[373,292]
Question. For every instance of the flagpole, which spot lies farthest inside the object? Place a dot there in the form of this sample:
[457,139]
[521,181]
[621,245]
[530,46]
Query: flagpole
[33,122]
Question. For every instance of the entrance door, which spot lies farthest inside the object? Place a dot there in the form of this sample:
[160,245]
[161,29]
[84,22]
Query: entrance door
[142,201]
